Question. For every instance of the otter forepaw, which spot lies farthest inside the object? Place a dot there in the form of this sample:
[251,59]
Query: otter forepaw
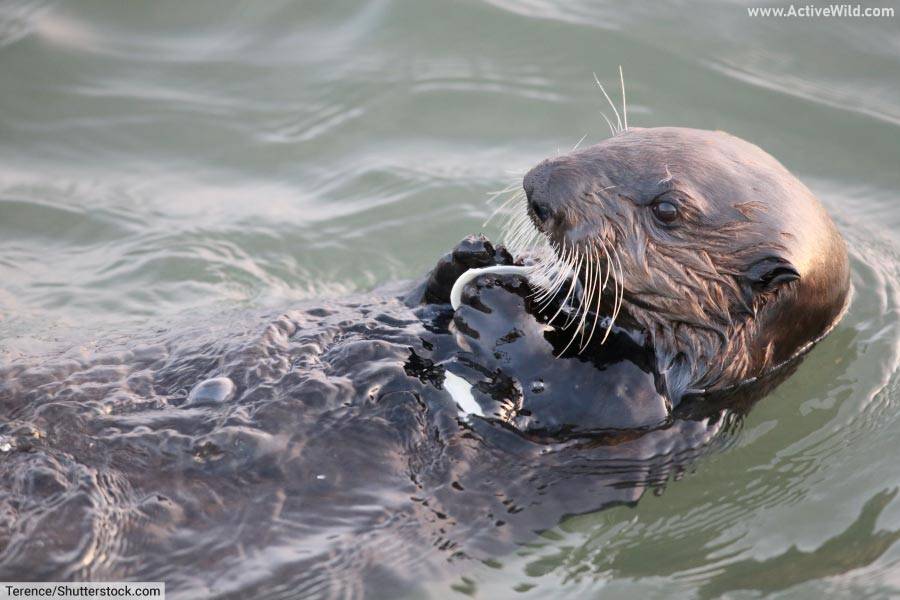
[472,252]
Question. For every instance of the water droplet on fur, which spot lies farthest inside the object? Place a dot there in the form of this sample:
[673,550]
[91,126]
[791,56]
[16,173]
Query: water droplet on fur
[537,386]
[211,391]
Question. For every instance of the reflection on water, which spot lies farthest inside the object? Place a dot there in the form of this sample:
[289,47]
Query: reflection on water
[170,162]
[858,546]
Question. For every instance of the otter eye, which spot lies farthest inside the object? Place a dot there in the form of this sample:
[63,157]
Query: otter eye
[665,211]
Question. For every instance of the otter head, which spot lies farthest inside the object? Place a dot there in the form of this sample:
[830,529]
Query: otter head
[727,263]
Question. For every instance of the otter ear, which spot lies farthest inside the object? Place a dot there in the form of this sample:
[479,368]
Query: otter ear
[770,273]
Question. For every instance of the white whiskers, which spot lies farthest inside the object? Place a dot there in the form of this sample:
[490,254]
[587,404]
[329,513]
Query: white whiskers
[581,267]
[621,120]
[565,270]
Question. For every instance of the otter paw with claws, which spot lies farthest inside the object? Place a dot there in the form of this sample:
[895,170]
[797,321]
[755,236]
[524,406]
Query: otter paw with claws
[472,252]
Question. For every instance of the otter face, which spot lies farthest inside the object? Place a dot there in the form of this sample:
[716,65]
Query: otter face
[723,258]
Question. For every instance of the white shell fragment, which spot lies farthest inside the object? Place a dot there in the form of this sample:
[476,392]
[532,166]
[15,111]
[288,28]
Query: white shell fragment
[461,392]
[468,276]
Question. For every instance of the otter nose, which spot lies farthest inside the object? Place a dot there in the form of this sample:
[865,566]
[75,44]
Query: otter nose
[537,191]
[541,211]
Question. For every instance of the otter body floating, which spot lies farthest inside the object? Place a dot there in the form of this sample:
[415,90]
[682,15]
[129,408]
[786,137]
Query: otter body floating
[464,279]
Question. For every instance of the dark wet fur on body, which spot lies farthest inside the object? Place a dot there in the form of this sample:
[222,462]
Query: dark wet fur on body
[337,466]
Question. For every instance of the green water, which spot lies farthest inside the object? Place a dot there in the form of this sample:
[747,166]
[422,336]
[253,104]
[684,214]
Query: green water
[166,159]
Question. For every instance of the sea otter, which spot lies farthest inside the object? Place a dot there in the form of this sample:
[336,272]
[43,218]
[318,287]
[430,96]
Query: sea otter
[723,261]
[324,450]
